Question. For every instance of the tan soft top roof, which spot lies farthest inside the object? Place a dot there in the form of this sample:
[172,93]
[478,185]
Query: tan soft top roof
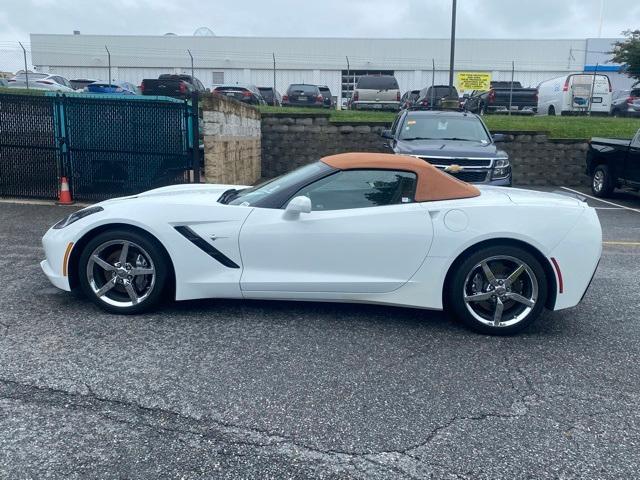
[433,184]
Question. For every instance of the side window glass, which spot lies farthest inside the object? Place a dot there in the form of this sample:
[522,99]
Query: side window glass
[394,126]
[636,140]
[361,189]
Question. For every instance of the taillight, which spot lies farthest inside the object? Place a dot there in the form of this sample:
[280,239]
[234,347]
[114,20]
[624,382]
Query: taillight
[492,96]
[183,87]
[424,103]
[566,85]
[355,96]
[141,87]
[631,99]
[398,95]
[246,93]
[285,98]
[535,96]
[320,99]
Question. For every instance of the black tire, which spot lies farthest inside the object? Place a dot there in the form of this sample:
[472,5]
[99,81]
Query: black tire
[149,288]
[531,284]
[601,181]
[551,111]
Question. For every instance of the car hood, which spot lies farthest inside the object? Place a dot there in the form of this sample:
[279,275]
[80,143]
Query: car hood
[448,148]
[183,193]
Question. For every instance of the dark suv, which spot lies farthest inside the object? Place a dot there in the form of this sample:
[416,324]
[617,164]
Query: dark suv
[326,93]
[269,96]
[457,142]
[438,96]
[303,95]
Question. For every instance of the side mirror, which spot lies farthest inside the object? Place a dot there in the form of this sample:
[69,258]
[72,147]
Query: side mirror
[499,137]
[298,205]
[386,133]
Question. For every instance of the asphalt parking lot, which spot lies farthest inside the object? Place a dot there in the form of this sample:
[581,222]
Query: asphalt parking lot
[233,389]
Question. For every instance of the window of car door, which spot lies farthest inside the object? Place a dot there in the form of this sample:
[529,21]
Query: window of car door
[360,189]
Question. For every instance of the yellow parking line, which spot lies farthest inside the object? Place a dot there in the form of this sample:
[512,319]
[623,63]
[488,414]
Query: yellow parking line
[628,244]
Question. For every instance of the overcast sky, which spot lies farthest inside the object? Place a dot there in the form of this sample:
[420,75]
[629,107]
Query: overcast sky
[325,18]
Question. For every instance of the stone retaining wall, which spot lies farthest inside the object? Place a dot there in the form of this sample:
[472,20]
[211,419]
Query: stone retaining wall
[232,143]
[297,139]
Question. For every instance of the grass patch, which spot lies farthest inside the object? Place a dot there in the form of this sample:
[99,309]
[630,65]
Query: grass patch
[567,127]
[558,127]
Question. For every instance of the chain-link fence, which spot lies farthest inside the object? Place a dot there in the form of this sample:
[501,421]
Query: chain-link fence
[95,59]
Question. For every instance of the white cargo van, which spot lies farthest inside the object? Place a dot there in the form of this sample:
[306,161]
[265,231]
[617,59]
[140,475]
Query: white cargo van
[575,93]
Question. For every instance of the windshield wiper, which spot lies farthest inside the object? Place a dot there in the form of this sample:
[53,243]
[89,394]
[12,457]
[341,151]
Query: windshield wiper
[420,138]
[228,195]
[459,139]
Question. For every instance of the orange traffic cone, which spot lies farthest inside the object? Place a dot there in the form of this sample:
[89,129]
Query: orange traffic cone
[65,195]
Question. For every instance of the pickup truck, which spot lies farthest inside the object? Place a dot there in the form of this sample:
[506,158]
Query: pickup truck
[169,85]
[458,143]
[613,163]
[496,100]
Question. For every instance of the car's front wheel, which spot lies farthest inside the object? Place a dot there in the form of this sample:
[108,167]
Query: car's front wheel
[601,182]
[498,290]
[123,271]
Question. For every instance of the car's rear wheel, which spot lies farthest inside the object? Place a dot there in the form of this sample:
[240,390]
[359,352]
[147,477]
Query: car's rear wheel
[551,111]
[601,182]
[498,290]
[123,271]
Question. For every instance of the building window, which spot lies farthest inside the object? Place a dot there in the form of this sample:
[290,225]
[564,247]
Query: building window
[218,78]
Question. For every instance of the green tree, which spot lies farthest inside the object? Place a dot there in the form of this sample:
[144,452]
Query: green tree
[627,53]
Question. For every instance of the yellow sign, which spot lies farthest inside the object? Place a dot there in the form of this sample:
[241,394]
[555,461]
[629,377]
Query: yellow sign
[473,81]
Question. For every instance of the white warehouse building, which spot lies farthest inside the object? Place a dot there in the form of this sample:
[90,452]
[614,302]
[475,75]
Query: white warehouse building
[335,62]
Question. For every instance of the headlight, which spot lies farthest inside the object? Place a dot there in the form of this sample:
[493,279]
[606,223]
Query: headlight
[75,216]
[501,168]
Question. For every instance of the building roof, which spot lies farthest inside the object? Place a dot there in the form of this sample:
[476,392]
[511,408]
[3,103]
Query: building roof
[432,185]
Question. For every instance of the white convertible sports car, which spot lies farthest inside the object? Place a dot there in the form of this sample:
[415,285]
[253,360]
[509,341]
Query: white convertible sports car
[354,227]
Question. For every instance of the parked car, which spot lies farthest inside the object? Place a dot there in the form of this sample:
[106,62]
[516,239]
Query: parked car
[303,95]
[41,81]
[326,93]
[118,88]
[458,143]
[380,92]
[571,94]
[172,85]
[626,103]
[500,97]
[81,83]
[409,98]
[4,83]
[355,227]
[269,97]
[438,96]
[613,163]
[244,93]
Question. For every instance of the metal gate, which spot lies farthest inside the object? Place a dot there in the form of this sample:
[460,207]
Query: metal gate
[29,154]
[106,146]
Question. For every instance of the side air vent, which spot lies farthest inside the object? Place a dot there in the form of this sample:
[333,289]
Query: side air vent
[205,246]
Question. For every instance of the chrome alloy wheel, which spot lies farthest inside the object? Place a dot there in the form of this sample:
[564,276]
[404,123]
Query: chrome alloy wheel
[598,181]
[500,291]
[121,273]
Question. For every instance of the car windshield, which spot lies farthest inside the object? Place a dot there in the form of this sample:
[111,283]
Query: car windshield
[250,196]
[440,127]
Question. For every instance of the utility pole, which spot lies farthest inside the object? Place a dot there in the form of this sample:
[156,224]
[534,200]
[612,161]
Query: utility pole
[433,81]
[273,54]
[26,71]
[513,71]
[593,86]
[453,43]
[348,77]
[191,57]
[601,18]
[109,61]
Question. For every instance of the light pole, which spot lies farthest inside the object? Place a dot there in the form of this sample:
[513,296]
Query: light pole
[453,42]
